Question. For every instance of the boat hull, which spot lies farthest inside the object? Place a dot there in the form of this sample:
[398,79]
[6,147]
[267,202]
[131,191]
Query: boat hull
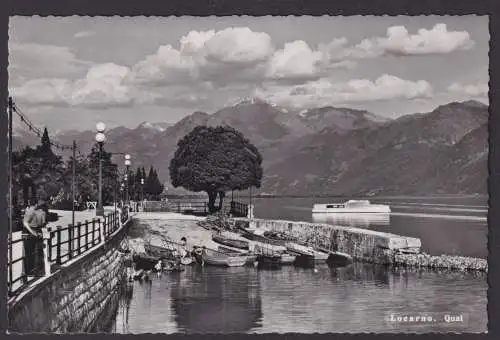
[269,261]
[352,206]
[375,209]
[287,259]
[162,252]
[338,259]
[213,258]
[251,258]
[166,253]
[145,262]
[240,244]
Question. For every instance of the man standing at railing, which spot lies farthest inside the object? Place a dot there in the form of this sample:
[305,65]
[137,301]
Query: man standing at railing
[35,218]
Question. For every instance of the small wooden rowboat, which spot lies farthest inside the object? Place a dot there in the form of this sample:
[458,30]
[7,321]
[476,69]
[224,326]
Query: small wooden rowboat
[144,261]
[157,251]
[269,261]
[216,258]
[287,258]
[172,251]
[251,258]
[306,253]
[255,235]
[230,242]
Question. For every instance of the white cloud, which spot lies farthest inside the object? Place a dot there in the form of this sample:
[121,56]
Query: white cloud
[36,60]
[399,42]
[166,67]
[103,86]
[232,55]
[323,92]
[238,54]
[296,59]
[234,60]
[437,40]
[238,45]
[43,91]
[470,90]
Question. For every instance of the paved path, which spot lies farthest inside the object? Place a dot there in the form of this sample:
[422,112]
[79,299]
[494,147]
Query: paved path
[65,216]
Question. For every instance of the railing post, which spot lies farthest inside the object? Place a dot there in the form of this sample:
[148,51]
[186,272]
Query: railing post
[120,219]
[46,259]
[86,235]
[101,229]
[58,245]
[250,211]
[70,240]
[78,242]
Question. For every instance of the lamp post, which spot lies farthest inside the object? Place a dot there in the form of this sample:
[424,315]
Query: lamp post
[127,164]
[142,189]
[100,138]
[122,197]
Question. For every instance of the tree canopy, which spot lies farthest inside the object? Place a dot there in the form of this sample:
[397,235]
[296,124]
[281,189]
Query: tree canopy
[215,160]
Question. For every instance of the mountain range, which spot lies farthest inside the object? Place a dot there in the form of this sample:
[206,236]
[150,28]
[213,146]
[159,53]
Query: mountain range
[328,150]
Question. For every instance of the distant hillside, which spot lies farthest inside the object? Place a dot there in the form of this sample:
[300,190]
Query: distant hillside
[443,151]
[329,150]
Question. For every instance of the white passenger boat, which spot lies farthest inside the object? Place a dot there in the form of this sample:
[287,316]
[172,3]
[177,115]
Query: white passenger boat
[364,220]
[351,206]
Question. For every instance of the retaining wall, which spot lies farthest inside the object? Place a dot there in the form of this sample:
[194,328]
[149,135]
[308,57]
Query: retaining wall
[362,244]
[76,297]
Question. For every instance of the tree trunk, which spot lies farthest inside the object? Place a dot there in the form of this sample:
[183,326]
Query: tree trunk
[212,196]
[222,194]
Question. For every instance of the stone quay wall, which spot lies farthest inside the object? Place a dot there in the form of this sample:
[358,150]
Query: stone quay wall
[78,297]
[367,245]
[362,244]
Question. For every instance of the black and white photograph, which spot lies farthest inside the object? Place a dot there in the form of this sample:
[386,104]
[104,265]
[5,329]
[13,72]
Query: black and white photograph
[240,174]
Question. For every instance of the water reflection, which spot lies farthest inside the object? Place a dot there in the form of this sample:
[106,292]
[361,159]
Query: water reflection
[350,299]
[364,220]
[217,300]
[124,305]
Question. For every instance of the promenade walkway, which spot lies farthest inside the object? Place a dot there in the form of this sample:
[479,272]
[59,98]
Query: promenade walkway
[65,216]
[89,231]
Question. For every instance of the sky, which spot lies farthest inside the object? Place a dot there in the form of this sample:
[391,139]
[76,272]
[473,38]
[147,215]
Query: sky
[71,72]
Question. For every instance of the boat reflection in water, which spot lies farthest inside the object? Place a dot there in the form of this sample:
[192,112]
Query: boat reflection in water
[363,220]
[217,300]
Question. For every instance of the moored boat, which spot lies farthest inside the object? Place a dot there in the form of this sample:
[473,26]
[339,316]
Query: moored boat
[231,242]
[171,250]
[339,259]
[144,261]
[351,206]
[158,251]
[217,258]
[251,258]
[269,261]
[303,253]
[287,258]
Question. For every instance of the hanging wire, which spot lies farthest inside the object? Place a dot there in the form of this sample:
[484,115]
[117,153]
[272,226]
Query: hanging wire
[38,131]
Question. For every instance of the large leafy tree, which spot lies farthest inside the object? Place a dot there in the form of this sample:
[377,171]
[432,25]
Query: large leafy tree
[215,160]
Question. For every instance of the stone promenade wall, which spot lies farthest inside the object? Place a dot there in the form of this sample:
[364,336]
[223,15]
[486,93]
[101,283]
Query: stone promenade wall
[75,298]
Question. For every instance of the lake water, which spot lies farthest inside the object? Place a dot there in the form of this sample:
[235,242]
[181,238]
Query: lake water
[354,299]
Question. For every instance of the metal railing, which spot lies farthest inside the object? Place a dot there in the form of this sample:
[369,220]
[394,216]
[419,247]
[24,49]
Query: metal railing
[194,206]
[239,209]
[62,244]
[179,206]
[17,278]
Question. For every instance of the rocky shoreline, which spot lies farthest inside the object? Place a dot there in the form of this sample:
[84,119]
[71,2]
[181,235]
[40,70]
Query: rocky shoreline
[451,262]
